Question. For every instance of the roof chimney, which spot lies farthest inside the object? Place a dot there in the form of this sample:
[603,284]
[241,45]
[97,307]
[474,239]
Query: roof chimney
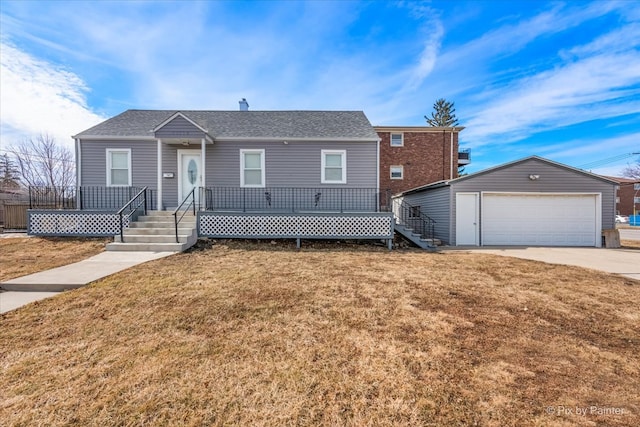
[244,105]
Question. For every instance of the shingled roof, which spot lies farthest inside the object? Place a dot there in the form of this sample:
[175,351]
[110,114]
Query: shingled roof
[243,124]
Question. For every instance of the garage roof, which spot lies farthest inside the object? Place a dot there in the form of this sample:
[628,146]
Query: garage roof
[445,183]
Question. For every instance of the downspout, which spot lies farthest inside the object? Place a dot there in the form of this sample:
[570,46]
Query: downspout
[378,170]
[78,174]
[159,160]
[444,177]
[451,156]
[203,153]
[203,179]
[78,163]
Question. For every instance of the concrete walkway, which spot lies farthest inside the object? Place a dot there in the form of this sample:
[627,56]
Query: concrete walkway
[625,262]
[33,287]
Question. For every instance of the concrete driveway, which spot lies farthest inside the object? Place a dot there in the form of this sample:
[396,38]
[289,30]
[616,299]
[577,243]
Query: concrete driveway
[625,262]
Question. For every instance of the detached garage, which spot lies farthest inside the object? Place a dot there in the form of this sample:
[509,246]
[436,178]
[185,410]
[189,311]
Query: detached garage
[529,202]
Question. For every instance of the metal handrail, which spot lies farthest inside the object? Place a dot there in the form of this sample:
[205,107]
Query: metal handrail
[409,213]
[191,194]
[129,203]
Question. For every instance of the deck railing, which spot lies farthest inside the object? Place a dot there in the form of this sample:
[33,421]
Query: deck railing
[291,199]
[84,197]
[52,197]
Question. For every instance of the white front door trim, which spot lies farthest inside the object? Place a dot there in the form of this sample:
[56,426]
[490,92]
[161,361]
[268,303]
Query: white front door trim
[181,153]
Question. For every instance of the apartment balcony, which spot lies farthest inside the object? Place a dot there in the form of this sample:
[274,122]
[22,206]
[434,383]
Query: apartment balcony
[464,157]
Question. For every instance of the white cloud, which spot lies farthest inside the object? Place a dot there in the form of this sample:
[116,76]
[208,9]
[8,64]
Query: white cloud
[602,148]
[40,97]
[597,87]
[432,32]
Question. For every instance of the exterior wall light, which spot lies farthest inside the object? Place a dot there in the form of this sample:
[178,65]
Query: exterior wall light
[534,177]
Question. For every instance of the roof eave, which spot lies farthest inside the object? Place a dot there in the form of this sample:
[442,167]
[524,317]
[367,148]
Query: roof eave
[293,139]
[417,128]
[115,137]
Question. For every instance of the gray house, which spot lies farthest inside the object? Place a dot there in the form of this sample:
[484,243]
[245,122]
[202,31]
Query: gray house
[173,152]
[253,174]
[533,201]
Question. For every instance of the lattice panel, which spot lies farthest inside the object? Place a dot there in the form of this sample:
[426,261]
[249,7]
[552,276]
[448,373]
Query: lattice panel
[326,226]
[74,223]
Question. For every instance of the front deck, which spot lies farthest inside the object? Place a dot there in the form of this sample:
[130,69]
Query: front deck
[222,212]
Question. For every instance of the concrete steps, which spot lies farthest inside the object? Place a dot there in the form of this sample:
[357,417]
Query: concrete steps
[415,238]
[155,232]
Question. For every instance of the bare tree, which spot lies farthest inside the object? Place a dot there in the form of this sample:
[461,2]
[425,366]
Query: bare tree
[632,171]
[41,161]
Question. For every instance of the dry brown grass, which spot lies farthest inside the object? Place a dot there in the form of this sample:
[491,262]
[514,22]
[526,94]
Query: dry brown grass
[266,335]
[20,256]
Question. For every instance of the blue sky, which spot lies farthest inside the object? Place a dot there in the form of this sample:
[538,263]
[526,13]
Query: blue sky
[556,79]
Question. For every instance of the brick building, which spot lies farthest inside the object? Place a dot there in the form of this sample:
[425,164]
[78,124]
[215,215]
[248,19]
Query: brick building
[628,193]
[412,156]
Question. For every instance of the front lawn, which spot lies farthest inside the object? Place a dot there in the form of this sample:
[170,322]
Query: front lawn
[259,334]
[20,256]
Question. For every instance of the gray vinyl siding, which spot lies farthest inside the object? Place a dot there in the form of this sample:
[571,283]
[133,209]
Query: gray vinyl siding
[296,164]
[553,179]
[179,128]
[170,165]
[436,204]
[143,162]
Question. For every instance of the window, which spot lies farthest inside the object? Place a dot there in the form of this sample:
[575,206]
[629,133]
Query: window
[334,167]
[118,167]
[636,200]
[636,186]
[396,172]
[617,199]
[397,140]
[252,168]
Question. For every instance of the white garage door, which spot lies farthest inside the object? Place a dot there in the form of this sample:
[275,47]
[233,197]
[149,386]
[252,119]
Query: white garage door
[540,219]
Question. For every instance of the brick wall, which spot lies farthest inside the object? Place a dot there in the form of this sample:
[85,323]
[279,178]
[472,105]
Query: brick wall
[626,193]
[425,157]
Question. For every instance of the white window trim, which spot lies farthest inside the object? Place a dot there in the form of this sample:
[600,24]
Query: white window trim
[343,154]
[401,167]
[401,139]
[262,167]
[118,150]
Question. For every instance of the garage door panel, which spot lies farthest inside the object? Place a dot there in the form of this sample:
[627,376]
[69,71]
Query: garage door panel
[540,220]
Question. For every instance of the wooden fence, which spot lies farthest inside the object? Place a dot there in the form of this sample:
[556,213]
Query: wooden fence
[15,215]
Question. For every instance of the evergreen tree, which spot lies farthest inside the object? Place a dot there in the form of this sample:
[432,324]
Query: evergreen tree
[443,115]
[9,174]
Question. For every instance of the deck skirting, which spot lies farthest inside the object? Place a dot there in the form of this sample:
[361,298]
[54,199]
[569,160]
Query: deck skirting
[324,225]
[83,223]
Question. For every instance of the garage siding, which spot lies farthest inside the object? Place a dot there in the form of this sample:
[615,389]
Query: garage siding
[552,179]
[435,203]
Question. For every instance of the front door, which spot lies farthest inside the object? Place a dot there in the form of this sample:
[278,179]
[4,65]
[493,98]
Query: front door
[189,173]
[467,219]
